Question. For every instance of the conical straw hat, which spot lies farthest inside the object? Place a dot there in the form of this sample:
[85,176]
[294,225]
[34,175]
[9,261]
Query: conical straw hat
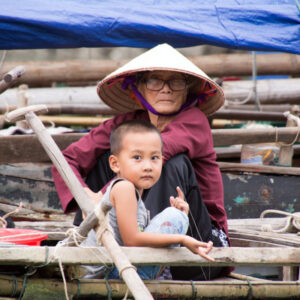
[161,57]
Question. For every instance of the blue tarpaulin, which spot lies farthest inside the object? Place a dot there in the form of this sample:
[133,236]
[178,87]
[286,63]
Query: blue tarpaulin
[267,25]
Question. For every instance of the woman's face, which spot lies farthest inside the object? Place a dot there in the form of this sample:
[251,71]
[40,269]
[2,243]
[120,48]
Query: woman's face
[168,99]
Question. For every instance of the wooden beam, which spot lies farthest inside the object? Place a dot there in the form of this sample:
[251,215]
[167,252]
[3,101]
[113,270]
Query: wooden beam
[46,72]
[239,167]
[225,137]
[235,152]
[234,256]
[26,148]
[235,114]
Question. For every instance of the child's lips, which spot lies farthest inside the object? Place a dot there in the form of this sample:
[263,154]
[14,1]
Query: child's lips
[147,177]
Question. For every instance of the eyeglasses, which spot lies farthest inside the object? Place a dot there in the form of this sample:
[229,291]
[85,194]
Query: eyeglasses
[155,84]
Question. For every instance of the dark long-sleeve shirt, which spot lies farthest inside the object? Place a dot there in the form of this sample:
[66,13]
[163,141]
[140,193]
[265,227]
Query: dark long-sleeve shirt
[189,132]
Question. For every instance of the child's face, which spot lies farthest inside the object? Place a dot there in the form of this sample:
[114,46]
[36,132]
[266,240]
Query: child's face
[140,160]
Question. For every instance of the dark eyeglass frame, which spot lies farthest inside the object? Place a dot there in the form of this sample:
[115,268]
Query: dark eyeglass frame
[163,82]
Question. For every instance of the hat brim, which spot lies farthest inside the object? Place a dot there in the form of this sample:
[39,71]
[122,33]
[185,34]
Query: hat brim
[119,99]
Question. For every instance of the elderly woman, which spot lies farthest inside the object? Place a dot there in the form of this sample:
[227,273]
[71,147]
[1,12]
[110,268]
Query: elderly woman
[165,88]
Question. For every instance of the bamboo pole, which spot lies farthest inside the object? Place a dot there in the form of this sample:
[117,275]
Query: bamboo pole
[214,289]
[219,65]
[71,121]
[93,121]
[230,111]
[273,91]
[71,109]
[265,108]
[238,114]
[11,77]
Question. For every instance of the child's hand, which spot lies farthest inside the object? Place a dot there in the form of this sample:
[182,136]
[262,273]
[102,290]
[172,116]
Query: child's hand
[96,197]
[179,202]
[198,247]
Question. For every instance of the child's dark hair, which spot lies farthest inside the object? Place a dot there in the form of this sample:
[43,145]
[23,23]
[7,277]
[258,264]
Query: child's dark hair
[118,132]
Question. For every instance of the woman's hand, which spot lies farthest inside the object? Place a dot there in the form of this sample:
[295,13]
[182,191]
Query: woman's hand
[179,202]
[198,247]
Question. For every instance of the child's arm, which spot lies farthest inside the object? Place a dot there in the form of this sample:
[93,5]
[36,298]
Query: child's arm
[124,200]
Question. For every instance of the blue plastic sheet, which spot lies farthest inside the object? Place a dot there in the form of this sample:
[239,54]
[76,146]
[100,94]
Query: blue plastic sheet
[250,25]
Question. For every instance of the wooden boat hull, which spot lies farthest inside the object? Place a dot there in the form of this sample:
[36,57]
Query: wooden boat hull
[246,194]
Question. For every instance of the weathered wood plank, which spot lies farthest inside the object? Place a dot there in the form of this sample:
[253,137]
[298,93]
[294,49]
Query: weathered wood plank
[235,151]
[284,256]
[28,214]
[283,240]
[26,148]
[224,166]
[225,137]
[248,194]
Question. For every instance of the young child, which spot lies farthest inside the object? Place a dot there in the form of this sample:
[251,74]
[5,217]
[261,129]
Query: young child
[136,158]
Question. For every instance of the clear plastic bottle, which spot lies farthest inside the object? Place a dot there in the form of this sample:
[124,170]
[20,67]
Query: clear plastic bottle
[260,154]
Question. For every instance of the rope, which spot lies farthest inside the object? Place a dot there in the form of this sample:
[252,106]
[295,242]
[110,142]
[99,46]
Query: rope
[32,270]
[108,287]
[3,222]
[298,5]
[15,287]
[296,120]
[54,257]
[78,289]
[23,287]
[126,294]
[276,135]
[254,76]
[253,89]
[104,223]
[250,292]
[76,236]
[125,268]
[2,60]
[201,239]
[194,290]
[292,221]
[78,239]
[63,277]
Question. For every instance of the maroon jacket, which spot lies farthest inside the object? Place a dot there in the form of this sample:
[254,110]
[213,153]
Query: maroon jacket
[189,132]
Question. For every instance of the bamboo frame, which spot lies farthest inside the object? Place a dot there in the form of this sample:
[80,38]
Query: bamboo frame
[179,256]
[199,289]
